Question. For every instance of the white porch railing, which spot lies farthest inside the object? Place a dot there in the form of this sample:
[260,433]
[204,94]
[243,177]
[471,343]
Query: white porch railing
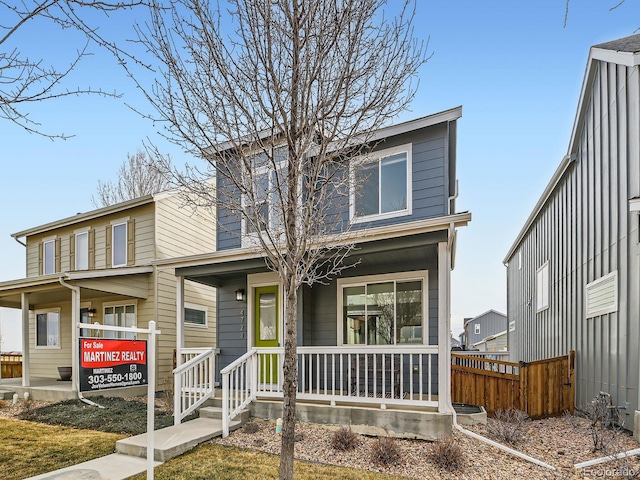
[193,381]
[355,374]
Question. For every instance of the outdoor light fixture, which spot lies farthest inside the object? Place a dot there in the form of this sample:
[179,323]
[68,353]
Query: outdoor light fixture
[92,312]
[240,295]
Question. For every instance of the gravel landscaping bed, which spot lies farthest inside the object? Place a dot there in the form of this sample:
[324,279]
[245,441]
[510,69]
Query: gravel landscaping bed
[561,442]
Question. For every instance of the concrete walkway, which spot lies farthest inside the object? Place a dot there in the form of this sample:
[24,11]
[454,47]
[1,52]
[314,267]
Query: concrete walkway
[130,457]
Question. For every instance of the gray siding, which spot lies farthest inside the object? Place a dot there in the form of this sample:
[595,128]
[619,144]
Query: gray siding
[585,231]
[490,322]
[232,315]
[432,184]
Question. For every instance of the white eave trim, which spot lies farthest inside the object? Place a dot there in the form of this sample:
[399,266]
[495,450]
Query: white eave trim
[567,161]
[628,59]
[356,236]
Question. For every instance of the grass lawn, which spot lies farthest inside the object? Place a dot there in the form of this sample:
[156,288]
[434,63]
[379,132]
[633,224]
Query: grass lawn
[221,462]
[28,449]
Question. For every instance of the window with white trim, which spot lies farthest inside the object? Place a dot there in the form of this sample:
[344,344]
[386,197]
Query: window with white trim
[48,328]
[120,315]
[520,260]
[82,250]
[381,185]
[195,315]
[512,326]
[49,257]
[542,287]
[383,311]
[119,245]
[476,329]
[601,295]
[268,184]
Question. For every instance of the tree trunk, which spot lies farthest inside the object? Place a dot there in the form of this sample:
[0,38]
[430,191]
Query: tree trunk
[290,387]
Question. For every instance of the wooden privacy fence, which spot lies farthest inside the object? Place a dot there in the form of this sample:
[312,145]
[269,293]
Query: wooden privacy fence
[10,366]
[543,388]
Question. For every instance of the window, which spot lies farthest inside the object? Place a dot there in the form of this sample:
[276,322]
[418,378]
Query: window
[542,287]
[82,251]
[267,184]
[602,295]
[48,328]
[382,310]
[195,316]
[119,248]
[49,257]
[477,329]
[520,260]
[120,316]
[512,326]
[381,187]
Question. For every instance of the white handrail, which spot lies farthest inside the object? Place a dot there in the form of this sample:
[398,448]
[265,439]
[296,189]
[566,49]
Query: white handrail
[243,374]
[193,384]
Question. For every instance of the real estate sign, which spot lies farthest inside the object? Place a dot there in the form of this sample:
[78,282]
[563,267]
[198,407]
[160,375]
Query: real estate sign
[109,363]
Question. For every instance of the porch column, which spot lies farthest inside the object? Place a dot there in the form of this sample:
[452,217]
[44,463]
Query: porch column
[25,339]
[179,319]
[75,319]
[444,327]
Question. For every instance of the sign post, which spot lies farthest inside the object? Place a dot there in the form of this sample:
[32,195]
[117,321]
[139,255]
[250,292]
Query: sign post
[117,363]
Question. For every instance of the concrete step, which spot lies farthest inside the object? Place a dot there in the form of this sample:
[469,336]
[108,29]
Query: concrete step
[175,440]
[216,413]
[111,467]
[6,394]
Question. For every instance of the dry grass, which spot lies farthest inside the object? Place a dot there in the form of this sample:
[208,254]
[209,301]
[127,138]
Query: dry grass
[29,449]
[230,463]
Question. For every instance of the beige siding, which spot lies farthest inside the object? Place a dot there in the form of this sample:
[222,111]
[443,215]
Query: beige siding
[181,231]
[44,361]
[144,239]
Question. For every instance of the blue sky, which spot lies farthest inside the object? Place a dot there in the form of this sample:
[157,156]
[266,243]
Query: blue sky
[512,65]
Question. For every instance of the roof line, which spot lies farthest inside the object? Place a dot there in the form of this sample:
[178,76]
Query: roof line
[488,311]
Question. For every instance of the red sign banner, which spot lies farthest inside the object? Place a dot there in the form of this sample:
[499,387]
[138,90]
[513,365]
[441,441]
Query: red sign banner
[110,363]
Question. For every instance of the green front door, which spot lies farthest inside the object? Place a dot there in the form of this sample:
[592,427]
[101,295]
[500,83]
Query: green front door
[266,330]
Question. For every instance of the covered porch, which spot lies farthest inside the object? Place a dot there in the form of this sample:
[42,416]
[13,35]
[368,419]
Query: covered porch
[392,355]
[51,308]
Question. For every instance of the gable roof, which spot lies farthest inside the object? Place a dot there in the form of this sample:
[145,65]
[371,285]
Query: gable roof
[624,51]
[467,321]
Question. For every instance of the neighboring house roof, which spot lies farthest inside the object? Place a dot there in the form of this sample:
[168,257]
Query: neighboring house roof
[624,51]
[491,337]
[482,315]
[80,217]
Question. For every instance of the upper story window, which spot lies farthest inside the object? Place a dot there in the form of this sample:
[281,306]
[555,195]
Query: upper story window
[119,248]
[263,207]
[48,328]
[477,329]
[601,295]
[49,257]
[381,185]
[120,243]
[542,287]
[82,251]
[49,261]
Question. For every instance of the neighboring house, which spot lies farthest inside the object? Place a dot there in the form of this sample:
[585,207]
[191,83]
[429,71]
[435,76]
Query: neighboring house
[573,272]
[384,321]
[486,332]
[455,342]
[101,262]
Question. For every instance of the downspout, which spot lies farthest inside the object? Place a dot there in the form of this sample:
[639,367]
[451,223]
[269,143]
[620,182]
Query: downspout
[21,243]
[74,342]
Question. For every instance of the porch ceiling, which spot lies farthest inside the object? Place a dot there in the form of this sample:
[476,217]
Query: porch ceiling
[396,251]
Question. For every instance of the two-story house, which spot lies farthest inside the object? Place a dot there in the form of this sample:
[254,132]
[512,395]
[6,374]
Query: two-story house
[573,271]
[486,332]
[376,335]
[98,267]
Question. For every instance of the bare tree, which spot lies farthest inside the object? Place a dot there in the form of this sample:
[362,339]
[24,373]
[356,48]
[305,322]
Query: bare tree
[25,80]
[138,176]
[275,96]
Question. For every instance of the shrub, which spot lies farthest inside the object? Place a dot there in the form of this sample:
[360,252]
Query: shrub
[251,428]
[447,454]
[508,425]
[345,439]
[2,403]
[385,451]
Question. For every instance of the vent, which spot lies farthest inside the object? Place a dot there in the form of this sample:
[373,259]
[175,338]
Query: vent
[602,295]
